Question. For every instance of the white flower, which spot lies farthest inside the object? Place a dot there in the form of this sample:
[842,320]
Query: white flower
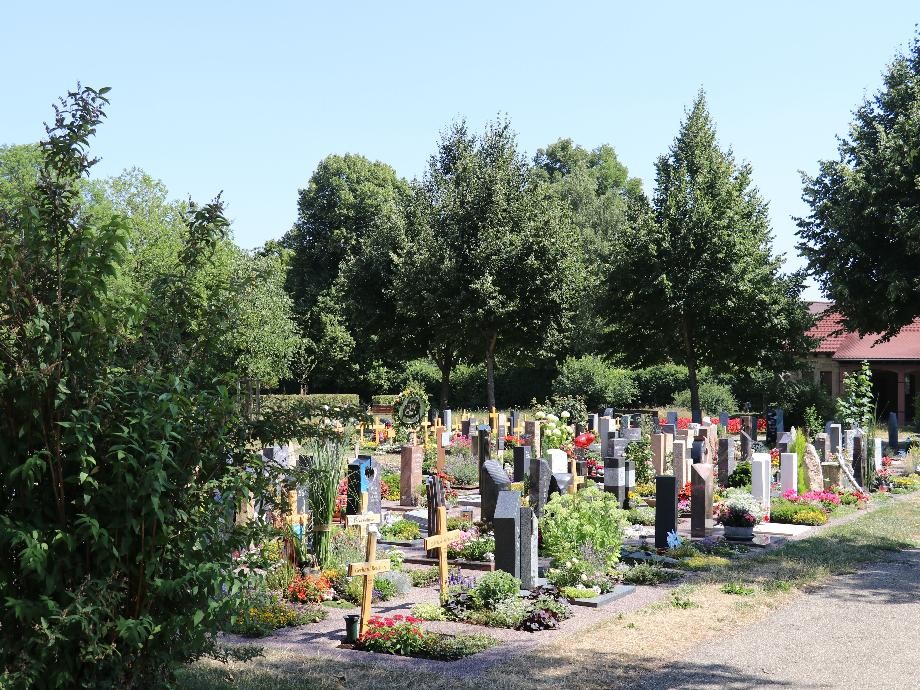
[552,418]
[584,577]
[564,414]
[540,415]
[489,556]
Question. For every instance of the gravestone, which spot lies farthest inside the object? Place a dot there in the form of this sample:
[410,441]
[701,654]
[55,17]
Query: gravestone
[633,433]
[723,419]
[771,427]
[833,432]
[605,428]
[813,465]
[474,446]
[529,541]
[752,425]
[435,494]
[492,481]
[485,449]
[441,441]
[877,454]
[760,479]
[698,452]
[656,424]
[507,529]
[893,431]
[832,473]
[625,423]
[668,429]
[522,455]
[780,423]
[279,455]
[785,440]
[858,456]
[700,499]
[712,443]
[665,509]
[559,483]
[726,460]
[465,427]
[592,422]
[683,435]
[747,446]
[619,479]
[410,474]
[848,437]
[672,418]
[532,432]
[558,460]
[608,412]
[821,447]
[447,419]
[659,461]
[540,475]
[502,432]
[696,416]
[617,447]
[681,466]
[514,418]
[363,477]
[789,471]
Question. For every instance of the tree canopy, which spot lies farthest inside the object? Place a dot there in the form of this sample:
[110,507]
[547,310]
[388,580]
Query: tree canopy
[862,237]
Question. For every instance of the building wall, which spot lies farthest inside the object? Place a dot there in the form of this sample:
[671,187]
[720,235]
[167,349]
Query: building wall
[823,363]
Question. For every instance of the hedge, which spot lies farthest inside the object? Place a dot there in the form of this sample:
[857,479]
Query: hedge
[331,399]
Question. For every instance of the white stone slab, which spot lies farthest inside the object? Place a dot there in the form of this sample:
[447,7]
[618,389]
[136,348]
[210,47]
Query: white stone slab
[778,529]
[558,460]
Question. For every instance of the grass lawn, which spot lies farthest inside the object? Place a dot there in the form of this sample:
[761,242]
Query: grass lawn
[617,651]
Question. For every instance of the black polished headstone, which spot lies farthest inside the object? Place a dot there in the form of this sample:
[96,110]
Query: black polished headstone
[465,428]
[522,455]
[723,419]
[672,418]
[698,452]
[893,431]
[507,528]
[696,416]
[492,481]
[772,431]
[540,476]
[665,509]
[780,423]
[859,459]
[485,451]
[726,460]
[434,490]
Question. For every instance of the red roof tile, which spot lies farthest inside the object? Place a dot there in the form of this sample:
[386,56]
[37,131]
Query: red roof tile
[843,345]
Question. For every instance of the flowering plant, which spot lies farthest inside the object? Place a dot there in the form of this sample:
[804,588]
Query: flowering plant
[774,458]
[310,588]
[593,465]
[393,635]
[826,500]
[738,508]
[511,441]
[460,441]
[734,425]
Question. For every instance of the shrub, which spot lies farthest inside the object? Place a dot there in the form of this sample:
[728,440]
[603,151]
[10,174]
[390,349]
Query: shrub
[423,577]
[397,635]
[643,515]
[313,399]
[786,511]
[402,529]
[741,476]
[452,647]
[810,516]
[402,583]
[472,546]
[259,614]
[429,612]
[507,613]
[309,589]
[462,467]
[648,574]
[657,385]
[595,380]
[389,486]
[387,399]
[580,592]
[714,398]
[590,516]
[495,587]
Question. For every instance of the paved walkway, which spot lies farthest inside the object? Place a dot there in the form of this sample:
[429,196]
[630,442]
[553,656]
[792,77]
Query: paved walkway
[857,631]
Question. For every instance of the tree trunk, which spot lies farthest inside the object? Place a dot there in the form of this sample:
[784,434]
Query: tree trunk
[445,365]
[690,354]
[490,373]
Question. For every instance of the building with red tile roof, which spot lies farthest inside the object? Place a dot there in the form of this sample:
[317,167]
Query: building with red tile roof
[895,363]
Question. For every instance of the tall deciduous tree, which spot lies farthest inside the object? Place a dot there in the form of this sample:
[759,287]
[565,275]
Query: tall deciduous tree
[491,255]
[862,238]
[696,281]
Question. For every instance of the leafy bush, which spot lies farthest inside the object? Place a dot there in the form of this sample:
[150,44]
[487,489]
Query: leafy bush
[472,546]
[810,516]
[789,512]
[452,647]
[279,401]
[506,613]
[424,577]
[402,583]
[741,476]
[389,485]
[309,589]
[648,574]
[573,521]
[495,587]
[397,635]
[345,546]
[429,612]
[714,398]
[402,529]
[462,467]
[387,399]
[259,614]
[737,588]
[640,453]
[643,515]
[580,592]
[657,385]
[595,380]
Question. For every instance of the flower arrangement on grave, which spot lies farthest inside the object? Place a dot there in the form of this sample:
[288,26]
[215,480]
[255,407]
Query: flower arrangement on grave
[555,432]
[404,636]
[593,465]
[323,475]
[584,440]
[683,498]
[774,459]
[512,441]
[310,589]
[473,546]
[738,508]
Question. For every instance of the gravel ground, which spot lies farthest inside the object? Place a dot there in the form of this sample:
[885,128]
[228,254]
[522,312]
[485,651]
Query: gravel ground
[857,631]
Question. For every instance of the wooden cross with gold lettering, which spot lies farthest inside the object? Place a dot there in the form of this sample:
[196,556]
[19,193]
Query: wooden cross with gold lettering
[368,570]
[576,480]
[440,541]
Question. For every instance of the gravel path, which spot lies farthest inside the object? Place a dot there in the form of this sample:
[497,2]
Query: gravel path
[857,631]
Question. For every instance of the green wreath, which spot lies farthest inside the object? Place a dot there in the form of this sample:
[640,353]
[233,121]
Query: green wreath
[410,409]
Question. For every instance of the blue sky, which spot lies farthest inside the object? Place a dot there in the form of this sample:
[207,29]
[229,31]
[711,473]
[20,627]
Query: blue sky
[247,97]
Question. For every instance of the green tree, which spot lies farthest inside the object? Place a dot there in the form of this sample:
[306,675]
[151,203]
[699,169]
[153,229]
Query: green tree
[862,237]
[490,250]
[19,167]
[695,280]
[348,218]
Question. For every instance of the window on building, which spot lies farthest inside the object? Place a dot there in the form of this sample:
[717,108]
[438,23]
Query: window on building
[827,384]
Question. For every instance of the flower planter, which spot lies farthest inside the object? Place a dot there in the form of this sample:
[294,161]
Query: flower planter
[733,533]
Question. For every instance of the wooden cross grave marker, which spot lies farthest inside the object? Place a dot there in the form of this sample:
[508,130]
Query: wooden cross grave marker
[368,570]
[363,519]
[440,541]
[576,480]
[493,417]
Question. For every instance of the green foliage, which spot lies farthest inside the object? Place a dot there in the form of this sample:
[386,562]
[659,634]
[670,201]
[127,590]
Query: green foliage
[324,470]
[714,398]
[424,577]
[463,467]
[643,515]
[704,562]
[657,385]
[783,511]
[453,647]
[741,476]
[259,614]
[813,422]
[648,574]
[429,612]
[495,587]
[706,207]
[401,529]
[594,379]
[384,399]
[680,600]
[860,237]
[316,400]
[588,517]
[509,612]
[640,453]
[799,444]
[810,516]
[126,468]
[580,592]
[857,404]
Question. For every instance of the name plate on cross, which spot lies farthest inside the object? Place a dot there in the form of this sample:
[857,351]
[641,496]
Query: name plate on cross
[362,520]
[371,568]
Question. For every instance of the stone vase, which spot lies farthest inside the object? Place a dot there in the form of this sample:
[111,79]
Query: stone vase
[733,533]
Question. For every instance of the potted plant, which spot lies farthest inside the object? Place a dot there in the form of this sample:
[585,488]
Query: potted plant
[738,513]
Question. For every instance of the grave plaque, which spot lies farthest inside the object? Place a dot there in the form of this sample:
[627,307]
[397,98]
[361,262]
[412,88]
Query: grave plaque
[659,461]
[410,474]
[605,428]
[681,466]
[665,509]
[726,460]
[507,527]
[893,431]
[696,416]
[447,419]
[698,452]
[633,434]
[522,457]
[532,432]
[833,432]
[492,481]
[770,416]
[465,427]
[700,499]
[619,479]
[617,447]
[760,479]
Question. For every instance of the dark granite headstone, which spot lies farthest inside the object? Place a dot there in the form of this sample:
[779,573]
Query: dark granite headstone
[772,431]
[672,418]
[821,447]
[619,479]
[723,419]
[492,480]
[625,423]
[579,428]
[696,416]
[465,428]
[592,423]
[529,534]
[608,412]
[700,499]
[540,476]
[434,489]
[859,452]
[746,446]
[363,475]
[507,528]
[669,429]
[780,423]
[893,431]
[698,452]
[500,438]
[785,440]
[559,483]
[656,424]
[522,456]
[754,422]
[617,447]
[665,508]
[726,460]
[485,450]
[513,419]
